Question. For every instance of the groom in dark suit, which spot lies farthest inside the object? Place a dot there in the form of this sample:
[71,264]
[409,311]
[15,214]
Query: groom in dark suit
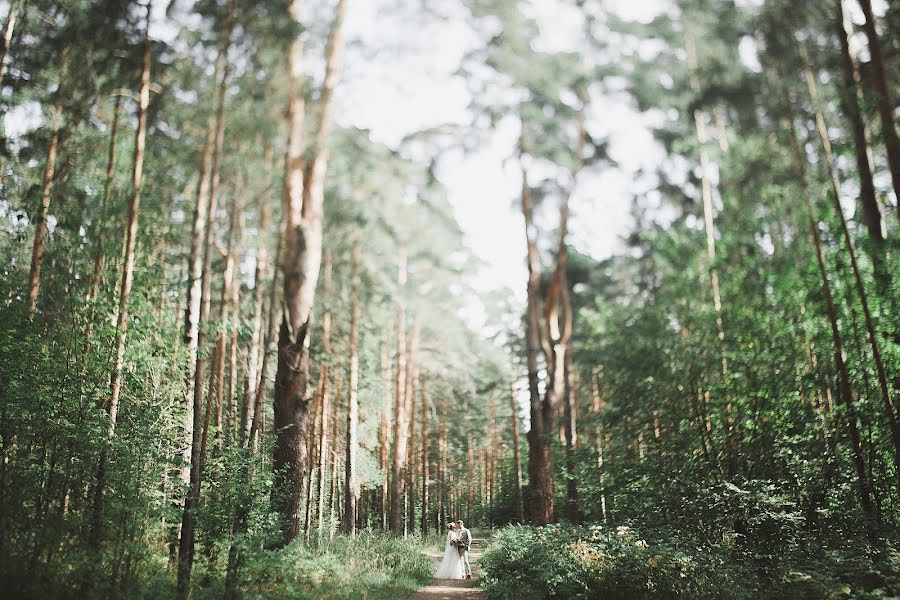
[462,546]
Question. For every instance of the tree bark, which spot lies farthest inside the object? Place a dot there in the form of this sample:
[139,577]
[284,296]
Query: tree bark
[517,454]
[426,407]
[351,485]
[40,231]
[540,456]
[304,203]
[883,98]
[130,245]
[384,449]
[186,541]
[398,469]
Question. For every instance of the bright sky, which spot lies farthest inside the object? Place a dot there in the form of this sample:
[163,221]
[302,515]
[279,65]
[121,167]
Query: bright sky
[419,90]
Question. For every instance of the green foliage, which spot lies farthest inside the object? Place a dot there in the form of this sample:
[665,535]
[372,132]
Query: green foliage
[617,563]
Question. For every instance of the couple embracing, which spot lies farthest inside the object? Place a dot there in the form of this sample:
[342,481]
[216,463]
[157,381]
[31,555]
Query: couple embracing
[456,553]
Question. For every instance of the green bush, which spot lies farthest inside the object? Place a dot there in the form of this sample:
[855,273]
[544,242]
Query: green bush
[372,566]
[528,563]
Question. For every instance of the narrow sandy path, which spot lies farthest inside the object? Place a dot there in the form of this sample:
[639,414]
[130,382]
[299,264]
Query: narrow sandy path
[454,589]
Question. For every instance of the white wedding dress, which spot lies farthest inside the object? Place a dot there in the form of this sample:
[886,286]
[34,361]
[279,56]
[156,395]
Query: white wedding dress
[452,566]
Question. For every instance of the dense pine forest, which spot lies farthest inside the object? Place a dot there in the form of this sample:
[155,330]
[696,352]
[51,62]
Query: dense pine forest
[260,337]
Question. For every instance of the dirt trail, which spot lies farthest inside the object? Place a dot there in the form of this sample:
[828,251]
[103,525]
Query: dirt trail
[454,589]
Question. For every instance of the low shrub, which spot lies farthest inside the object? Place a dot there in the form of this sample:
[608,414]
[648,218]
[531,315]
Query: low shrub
[538,563]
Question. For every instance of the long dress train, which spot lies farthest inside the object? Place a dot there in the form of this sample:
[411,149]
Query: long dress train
[451,566]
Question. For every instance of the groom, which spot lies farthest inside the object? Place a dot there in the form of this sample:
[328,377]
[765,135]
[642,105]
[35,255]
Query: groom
[462,546]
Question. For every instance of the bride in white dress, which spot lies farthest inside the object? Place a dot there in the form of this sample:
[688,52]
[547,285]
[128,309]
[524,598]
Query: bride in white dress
[451,566]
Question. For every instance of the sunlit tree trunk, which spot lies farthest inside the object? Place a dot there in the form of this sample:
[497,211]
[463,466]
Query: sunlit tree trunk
[570,415]
[351,485]
[413,395]
[127,279]
[398,468]
[599,445]
[883,98]
[40,230]
[186,541]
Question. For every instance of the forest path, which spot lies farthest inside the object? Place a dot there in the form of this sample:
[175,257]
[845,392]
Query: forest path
[455,589]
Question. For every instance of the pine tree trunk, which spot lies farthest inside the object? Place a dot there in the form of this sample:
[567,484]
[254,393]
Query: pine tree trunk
[186,541]
[6,43]
[128,259]
[517,455]
[398,469]
[304,202]
[883,98]
[40,231]
[413,389]
[384,450]
[540,457]
[351,484]
[426,404]
[570,415]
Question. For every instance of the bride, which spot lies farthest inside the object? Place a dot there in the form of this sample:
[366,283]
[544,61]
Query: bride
[452,566]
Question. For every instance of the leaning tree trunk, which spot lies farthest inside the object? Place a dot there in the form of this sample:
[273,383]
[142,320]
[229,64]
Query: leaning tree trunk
[844,389]
[883,98]
[822,129]
[130,245]
[351,485]
[40,230]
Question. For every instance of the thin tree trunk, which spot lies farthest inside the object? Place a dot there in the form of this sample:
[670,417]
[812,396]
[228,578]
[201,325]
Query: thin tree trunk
[414,387]
[426,407]
[384,450]
[569,415]
[845,392]
[351,485]
[6,43]
[97,270]
[517,454]
[883,98]
[398,470]
[130,244]
[40,231]
[186,541]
